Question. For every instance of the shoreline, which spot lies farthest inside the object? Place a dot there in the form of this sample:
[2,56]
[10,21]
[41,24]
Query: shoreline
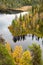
[15,10]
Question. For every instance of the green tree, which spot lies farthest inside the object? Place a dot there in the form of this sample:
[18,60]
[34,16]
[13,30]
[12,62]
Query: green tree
[36,54]
[5,58]
[21,18]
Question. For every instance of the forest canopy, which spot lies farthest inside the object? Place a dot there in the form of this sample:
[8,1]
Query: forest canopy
[18,3]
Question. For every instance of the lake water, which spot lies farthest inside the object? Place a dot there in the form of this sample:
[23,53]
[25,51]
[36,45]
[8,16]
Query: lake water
[5,21]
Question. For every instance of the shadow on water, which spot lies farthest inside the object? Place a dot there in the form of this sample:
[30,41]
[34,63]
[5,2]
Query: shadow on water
[37,38]
[32,36]
[19,38]
[42,42]
[23,37]
[15,39]
[10,11]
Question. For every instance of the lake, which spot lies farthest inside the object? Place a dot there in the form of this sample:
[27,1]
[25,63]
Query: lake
[5,21]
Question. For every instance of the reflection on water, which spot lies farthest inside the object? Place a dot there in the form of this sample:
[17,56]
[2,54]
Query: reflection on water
[5,21]
[18,38]
[23,37]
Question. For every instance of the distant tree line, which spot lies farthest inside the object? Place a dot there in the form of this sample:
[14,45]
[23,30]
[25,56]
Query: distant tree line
[19,3]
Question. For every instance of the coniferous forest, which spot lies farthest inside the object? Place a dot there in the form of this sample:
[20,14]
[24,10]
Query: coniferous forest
[21,32]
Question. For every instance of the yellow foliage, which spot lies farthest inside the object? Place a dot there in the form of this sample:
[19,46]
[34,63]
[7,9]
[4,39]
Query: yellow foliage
[26,58]
[8,47]
[27,54]
[20,57]
[37,26]
[17,54]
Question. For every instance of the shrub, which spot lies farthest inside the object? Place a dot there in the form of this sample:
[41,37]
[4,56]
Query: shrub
[36,54]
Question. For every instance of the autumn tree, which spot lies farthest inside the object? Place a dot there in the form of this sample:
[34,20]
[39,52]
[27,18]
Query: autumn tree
[17,53]
[7,45]
[26,58]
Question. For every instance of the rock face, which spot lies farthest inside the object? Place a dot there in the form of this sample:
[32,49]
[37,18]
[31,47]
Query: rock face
[2,40]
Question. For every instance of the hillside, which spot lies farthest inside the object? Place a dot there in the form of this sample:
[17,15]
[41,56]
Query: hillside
[14,3]
[5,5]
[17,3]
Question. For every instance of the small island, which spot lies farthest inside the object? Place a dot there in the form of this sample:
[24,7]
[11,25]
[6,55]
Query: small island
[31,23]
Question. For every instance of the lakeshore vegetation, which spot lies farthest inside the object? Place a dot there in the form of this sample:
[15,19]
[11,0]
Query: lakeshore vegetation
[27,24]
[9,6]
[18,56]
[31,23]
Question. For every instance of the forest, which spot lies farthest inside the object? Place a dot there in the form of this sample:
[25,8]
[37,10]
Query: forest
[18,3]
[6,4]
[18,56]
[31,23]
